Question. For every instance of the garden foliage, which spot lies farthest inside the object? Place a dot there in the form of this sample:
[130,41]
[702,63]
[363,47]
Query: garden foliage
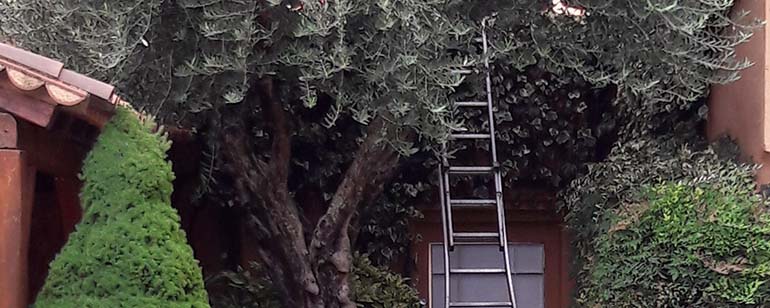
[373,287]
[373,56]
[341,63]
[128,250]
[667,224]
[376,287]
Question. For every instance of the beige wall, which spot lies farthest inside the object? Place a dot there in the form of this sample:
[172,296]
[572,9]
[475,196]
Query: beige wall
[741,109]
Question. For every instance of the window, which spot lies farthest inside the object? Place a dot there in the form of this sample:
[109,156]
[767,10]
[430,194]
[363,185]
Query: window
[527,267]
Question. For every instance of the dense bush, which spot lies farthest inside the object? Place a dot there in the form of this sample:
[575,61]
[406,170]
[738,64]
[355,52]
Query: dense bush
[243,288]
[372,287]
[128,250]
[376,287]
[686,246]
[663,223]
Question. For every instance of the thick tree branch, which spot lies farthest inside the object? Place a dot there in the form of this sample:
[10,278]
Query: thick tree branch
[375,188]
[351,190]
[267,182]
[276,273]
[328,258]
[277,216]
[280,155]
[373,165]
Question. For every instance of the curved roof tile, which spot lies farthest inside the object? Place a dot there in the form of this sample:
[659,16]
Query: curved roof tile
[29,72]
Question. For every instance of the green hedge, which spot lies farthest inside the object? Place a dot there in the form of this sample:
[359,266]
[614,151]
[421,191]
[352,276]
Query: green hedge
[128,250]
[662,223]
[685,246]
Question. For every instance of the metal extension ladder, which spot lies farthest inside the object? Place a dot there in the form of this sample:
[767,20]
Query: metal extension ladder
[447,203]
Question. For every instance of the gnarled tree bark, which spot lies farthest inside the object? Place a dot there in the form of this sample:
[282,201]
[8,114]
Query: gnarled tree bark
[315,272]
[330,246]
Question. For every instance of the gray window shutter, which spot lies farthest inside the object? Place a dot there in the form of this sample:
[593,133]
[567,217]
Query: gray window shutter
[527,264]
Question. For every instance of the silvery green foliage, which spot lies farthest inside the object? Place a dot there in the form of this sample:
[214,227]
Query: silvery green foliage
[661,55]
[221,66]
[371,57]
[381,56]
[97,38]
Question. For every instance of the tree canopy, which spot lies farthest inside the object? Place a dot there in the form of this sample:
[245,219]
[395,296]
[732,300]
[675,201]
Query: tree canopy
[381,56]
[569,84]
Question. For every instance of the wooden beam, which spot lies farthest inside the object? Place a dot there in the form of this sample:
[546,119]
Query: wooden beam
[16,196]
[8,135]
[92,111]
[67,189]
[25,105]
[51,151]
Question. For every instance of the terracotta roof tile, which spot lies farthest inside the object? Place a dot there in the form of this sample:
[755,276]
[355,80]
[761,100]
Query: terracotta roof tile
[93,86]
[29,73]
[55,69]
[34,61]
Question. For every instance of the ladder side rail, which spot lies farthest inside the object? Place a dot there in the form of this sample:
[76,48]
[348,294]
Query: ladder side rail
[500,210]
[490,105]
[447,233]
[509,277]
[504,239]
[447,196]
[498,176]
[493,143]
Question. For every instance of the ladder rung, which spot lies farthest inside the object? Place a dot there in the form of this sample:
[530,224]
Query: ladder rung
[477,271]
[480,304]
[475,235]
[471,169]
[472,202]
[471,136]
[471,104]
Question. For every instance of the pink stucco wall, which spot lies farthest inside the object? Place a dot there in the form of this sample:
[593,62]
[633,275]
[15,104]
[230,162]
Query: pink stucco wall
[739,109]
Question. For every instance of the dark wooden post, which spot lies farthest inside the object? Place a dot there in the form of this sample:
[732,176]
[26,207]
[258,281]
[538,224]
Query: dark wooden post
[16,195]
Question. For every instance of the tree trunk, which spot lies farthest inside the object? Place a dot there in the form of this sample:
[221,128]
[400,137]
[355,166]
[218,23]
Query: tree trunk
[276,225]
[331,246]
[314,273]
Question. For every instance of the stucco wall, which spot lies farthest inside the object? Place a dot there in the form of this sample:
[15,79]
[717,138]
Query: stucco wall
[738,109]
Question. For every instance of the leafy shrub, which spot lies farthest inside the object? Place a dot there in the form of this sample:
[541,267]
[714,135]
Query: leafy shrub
[128,250]
[372,287]
[243,288]
[384,233]
[663,223]
[376,287]
[687,246]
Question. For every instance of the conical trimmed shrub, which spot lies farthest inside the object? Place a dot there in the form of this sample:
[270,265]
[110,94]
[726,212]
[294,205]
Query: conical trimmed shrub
[129,249]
